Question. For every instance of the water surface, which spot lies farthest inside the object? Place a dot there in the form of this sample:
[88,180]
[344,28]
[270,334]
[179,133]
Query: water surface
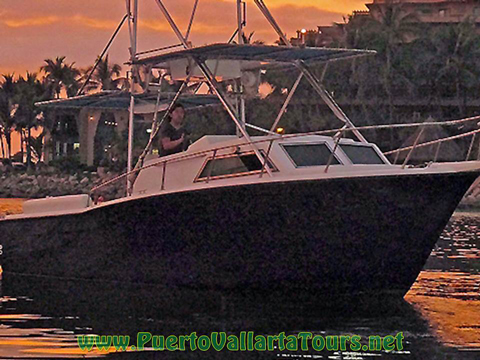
[440,317]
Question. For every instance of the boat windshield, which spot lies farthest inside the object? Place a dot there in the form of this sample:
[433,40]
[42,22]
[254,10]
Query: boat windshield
[310,154]
[361,154]
[232,165]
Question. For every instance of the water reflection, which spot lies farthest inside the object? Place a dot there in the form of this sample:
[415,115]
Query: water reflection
[451,303]
[458,248]
[40,318]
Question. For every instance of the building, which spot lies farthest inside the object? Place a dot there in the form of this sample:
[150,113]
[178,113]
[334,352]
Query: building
[322,37]
[90,125]
[432,12]
[429,12]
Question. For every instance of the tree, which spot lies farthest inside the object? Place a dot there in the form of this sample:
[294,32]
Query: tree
[60,75]
[28,91]
[7,121]
[457,50]
[386,32]
[106,76]
[249,39]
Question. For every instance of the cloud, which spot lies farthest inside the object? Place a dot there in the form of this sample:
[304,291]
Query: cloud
[34,21]
[65,8]
[79,29]
[96,23]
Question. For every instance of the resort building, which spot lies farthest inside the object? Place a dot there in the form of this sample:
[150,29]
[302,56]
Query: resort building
[432,12]
[89,126]
[427,12]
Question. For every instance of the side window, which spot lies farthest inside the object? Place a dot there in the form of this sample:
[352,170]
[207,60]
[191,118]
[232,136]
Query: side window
[310,154]
[365,155]
[244,164]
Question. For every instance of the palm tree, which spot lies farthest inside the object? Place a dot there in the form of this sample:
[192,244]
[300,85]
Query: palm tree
[60,75]
[457,50]
[249,39]
[394,28]
[7,121]
[105,77]
[385,32]
[28,91]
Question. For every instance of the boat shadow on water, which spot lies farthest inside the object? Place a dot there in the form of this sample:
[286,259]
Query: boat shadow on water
[71,308]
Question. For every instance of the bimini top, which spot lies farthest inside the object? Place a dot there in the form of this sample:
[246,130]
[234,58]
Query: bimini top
[120,100]
[260,55]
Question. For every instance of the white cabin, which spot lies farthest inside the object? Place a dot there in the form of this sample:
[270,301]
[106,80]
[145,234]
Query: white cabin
[229,160]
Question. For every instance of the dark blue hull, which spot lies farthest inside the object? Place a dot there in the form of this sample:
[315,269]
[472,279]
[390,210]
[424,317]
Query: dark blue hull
[352,236]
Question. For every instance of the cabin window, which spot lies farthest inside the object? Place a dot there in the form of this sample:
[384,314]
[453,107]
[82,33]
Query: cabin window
[359,154]
[310,154]
[225,166]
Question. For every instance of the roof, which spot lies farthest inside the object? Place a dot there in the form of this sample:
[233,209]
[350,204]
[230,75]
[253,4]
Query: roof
[120,100]
[260,54]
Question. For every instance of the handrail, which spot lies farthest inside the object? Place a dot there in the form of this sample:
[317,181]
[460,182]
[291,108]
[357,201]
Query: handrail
[407,158]
[182,157]
[433,142]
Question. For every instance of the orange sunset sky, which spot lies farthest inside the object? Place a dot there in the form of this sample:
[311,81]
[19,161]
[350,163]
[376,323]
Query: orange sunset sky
[34,30]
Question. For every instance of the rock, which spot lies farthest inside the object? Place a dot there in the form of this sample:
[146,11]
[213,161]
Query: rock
[42,183]
[101,172]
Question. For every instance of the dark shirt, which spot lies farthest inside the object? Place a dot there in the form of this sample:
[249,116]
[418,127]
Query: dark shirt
[168,131]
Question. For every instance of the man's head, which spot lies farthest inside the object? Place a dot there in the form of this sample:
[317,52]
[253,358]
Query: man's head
[177,114]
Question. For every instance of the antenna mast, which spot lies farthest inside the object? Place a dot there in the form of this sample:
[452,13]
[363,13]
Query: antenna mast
[241,19]
[132,27]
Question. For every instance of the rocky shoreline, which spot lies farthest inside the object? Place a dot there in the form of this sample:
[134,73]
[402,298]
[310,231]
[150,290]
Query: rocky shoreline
[50,182]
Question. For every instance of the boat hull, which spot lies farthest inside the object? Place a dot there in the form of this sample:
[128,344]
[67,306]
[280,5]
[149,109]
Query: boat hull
[368,235]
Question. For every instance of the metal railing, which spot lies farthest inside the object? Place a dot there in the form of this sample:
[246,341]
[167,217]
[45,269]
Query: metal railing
[434,142]
[340,134]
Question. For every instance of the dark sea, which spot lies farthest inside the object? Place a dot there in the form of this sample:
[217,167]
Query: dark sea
[439,317]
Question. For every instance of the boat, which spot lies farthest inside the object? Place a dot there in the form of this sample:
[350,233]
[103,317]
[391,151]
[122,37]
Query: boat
[325,213]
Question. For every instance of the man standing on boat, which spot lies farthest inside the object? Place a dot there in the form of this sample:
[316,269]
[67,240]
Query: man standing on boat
[173,135]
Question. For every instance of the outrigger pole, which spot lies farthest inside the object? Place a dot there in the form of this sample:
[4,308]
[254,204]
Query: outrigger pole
[132,27]
[241,24]
[105,49]
[156,125]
